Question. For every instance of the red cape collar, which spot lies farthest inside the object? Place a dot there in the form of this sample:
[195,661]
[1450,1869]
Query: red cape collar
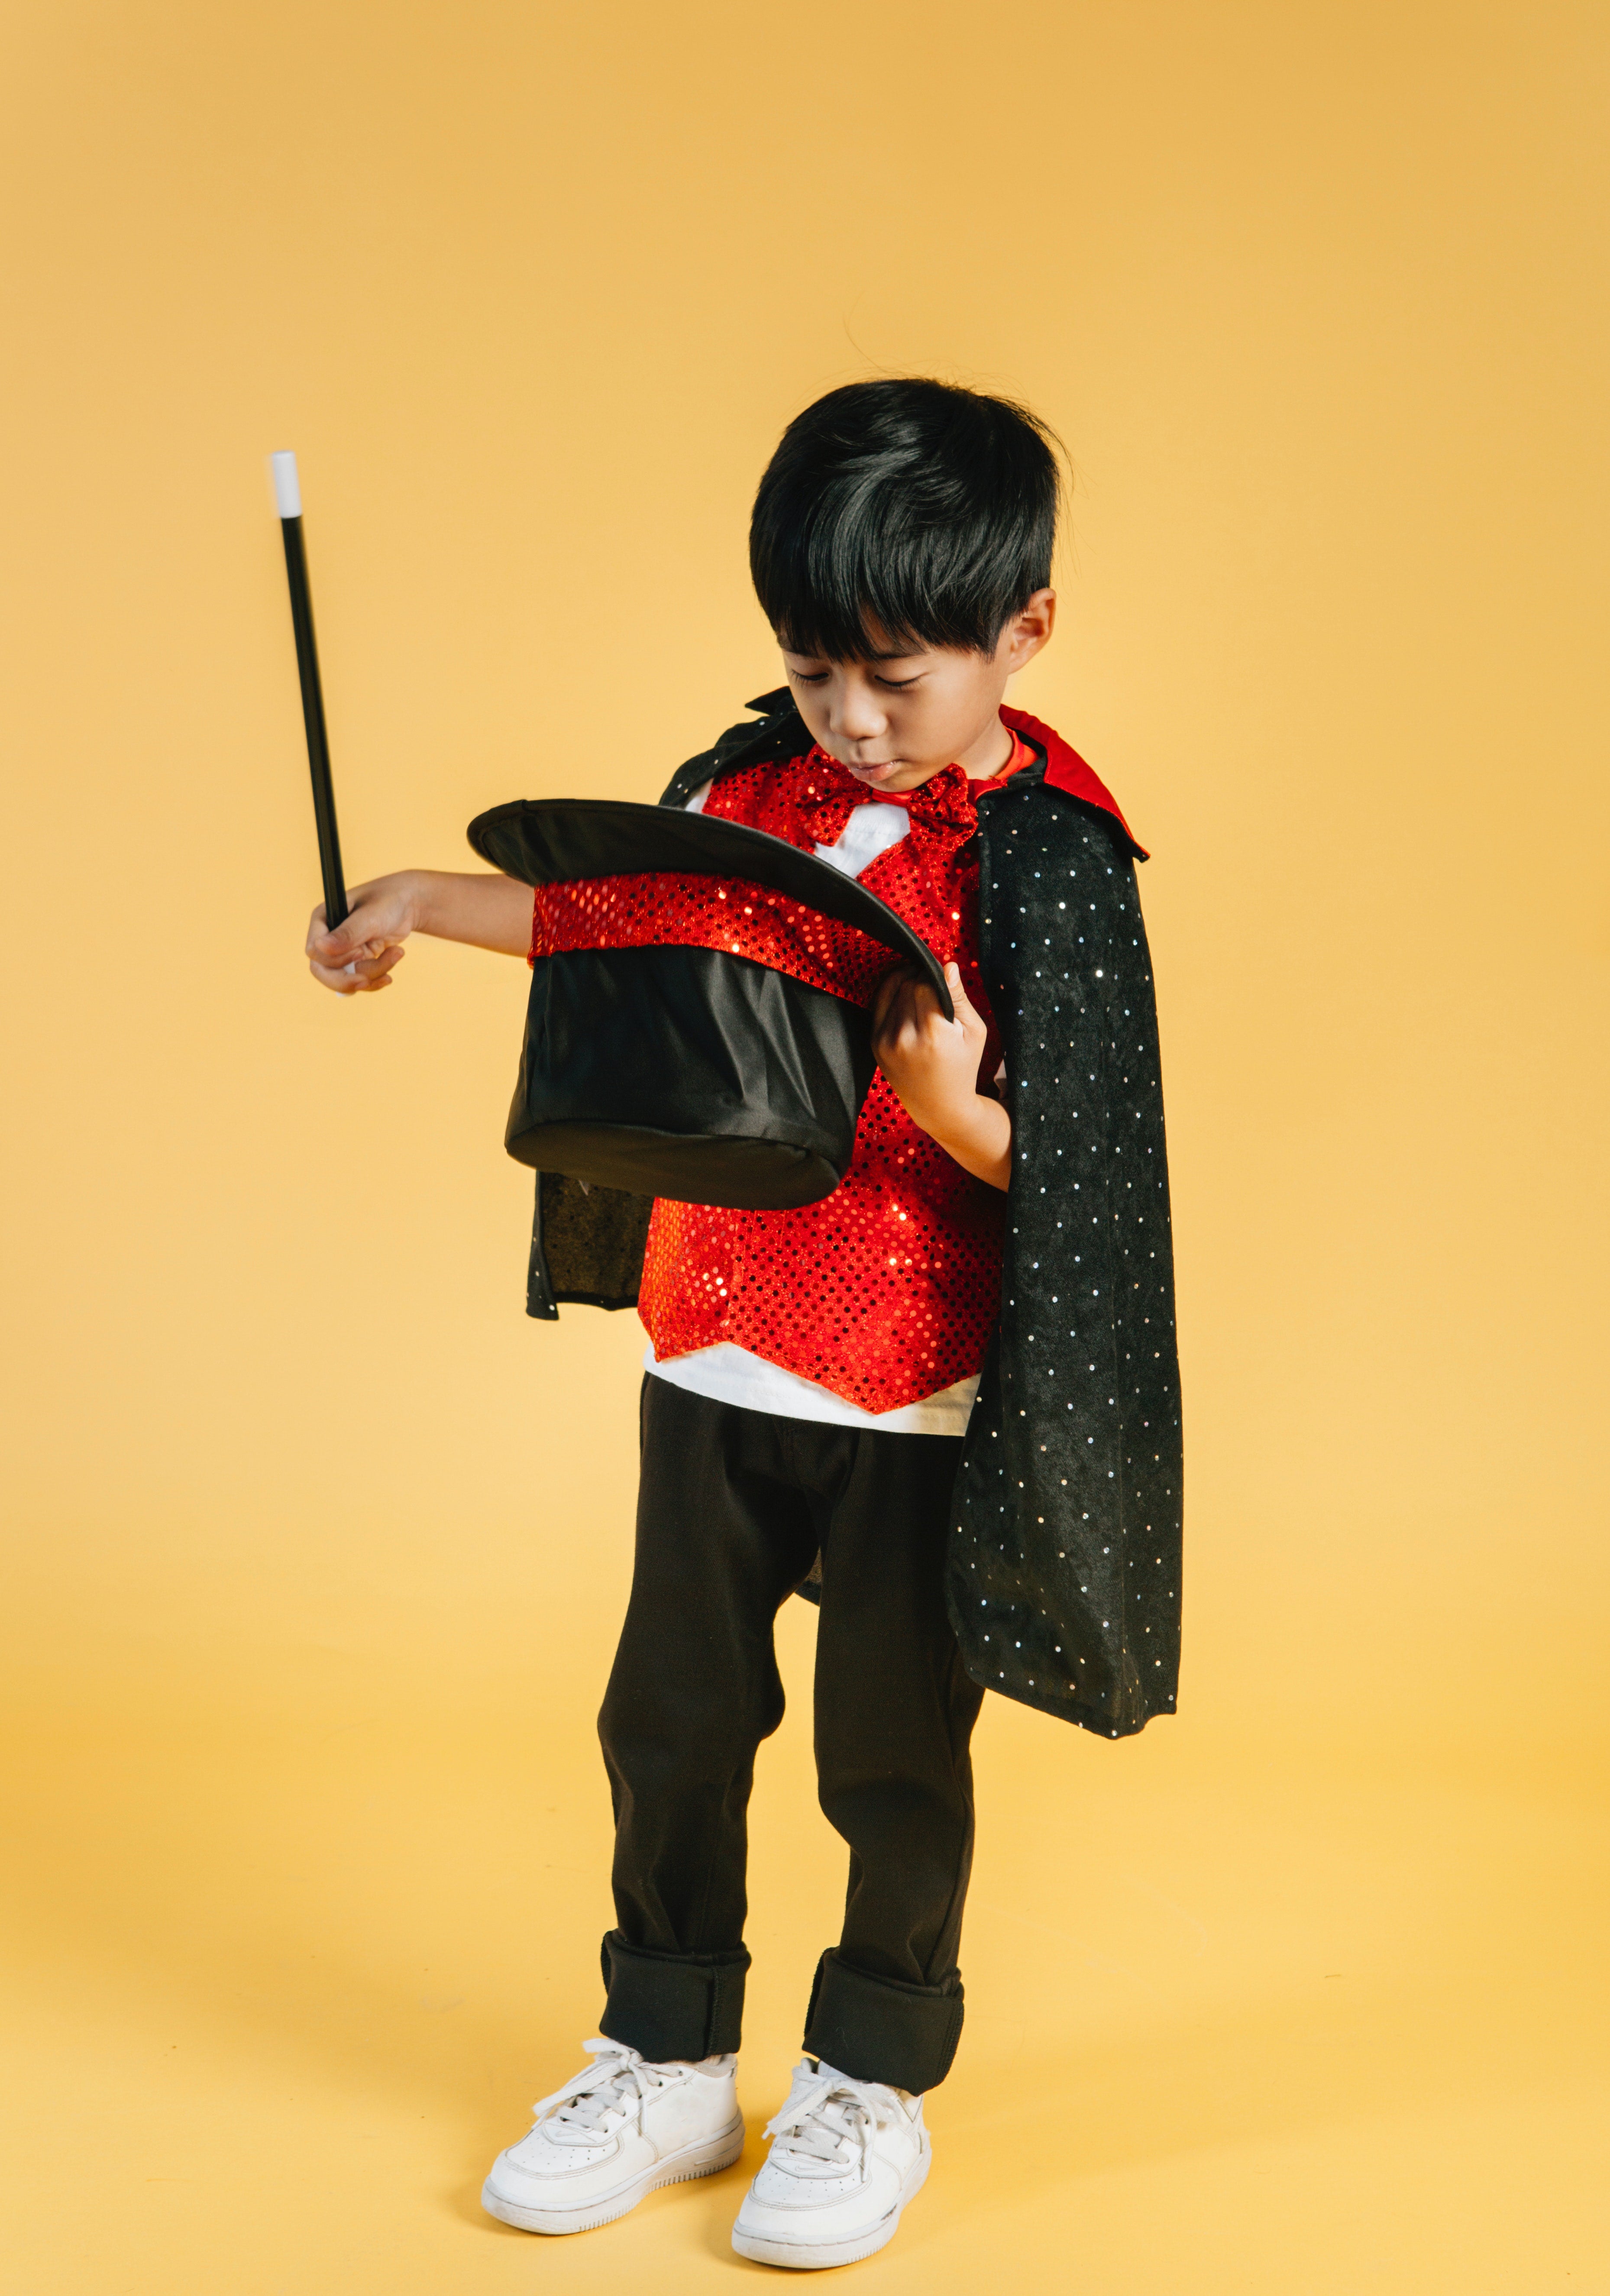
[1065,769]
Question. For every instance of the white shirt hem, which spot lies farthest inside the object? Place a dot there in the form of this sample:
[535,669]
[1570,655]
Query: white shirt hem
[727,1374]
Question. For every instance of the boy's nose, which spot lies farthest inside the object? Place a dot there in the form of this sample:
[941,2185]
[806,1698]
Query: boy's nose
[859,716]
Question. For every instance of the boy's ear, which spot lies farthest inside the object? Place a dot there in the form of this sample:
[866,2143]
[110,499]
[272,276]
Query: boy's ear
[1031,629]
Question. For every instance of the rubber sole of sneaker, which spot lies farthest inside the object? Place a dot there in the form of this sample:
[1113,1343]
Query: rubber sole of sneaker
[705,2159]
[820,2256]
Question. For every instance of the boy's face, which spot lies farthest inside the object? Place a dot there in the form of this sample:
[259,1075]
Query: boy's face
[896,719]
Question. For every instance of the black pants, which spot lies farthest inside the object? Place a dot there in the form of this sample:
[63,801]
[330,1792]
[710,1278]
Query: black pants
[735,1507]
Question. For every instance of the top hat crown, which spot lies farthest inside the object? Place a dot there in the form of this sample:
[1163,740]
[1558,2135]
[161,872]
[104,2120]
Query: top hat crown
[698,1025]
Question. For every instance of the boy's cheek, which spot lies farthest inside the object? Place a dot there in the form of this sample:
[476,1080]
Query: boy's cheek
[812,710]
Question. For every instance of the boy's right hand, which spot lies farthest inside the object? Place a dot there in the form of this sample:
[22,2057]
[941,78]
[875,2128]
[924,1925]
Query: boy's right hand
[360,954]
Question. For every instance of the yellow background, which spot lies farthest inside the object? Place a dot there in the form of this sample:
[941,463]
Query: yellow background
[315,1546]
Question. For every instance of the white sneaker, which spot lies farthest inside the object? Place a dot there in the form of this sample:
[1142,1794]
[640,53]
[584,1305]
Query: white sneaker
[847,2157]
[622,2128]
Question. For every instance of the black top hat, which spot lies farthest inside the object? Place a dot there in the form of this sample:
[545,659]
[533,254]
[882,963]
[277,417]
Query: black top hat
[673,1069]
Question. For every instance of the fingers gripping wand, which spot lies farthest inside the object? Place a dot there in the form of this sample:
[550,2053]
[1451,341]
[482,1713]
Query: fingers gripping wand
[287,502]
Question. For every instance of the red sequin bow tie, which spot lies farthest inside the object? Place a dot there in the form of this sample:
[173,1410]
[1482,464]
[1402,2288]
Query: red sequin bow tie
[943,806]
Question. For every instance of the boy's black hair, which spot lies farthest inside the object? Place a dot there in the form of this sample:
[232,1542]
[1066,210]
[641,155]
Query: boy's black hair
[904,514]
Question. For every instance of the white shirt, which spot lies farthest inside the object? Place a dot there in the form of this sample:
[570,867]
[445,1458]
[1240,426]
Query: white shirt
[727,1374]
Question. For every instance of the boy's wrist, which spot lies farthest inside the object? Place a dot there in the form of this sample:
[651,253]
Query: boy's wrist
[417,886]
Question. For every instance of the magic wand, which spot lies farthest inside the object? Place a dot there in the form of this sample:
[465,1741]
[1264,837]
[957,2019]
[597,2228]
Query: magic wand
[287,502]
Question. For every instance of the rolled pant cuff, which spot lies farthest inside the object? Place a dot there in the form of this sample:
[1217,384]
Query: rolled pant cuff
[880,2028]
[671,2005]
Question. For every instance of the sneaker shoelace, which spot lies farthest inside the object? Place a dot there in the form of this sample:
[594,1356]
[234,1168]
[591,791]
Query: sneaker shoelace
[615,2086]
[830,2121]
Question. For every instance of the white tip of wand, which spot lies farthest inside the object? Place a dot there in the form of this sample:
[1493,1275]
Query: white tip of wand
[287,487]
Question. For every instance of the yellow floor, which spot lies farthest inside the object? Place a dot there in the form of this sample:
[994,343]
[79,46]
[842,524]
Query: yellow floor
[284,1985]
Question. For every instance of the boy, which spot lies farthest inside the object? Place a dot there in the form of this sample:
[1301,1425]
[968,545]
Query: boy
[942,1401]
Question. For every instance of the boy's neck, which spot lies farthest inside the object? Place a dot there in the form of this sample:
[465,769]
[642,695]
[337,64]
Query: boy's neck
[1001,742]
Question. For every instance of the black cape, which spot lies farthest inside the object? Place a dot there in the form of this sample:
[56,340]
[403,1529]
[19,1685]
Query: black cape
[1063,1578]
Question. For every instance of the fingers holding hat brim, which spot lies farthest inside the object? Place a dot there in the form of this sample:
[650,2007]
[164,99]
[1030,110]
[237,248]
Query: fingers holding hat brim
[905,1001]
[916,997]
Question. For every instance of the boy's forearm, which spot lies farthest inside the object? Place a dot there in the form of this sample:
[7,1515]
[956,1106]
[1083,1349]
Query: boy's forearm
[978,1136]
[491,913]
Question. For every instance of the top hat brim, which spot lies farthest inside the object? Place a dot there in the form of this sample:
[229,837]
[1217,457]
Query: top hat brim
[559,841]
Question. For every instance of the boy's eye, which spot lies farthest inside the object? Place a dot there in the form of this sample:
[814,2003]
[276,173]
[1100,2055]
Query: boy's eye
[890,685]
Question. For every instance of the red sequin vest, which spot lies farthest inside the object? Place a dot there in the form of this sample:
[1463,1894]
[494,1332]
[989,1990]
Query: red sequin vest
[888,1289]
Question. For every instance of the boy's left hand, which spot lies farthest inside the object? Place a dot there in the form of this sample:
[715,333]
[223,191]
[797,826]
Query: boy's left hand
[933,1064]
